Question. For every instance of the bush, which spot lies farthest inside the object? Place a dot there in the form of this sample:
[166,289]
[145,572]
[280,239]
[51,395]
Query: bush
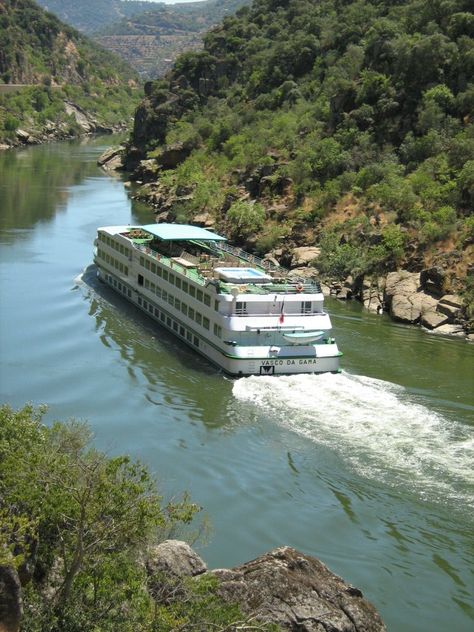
[244,219]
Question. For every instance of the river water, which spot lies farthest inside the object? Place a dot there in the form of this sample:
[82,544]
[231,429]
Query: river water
[370,470]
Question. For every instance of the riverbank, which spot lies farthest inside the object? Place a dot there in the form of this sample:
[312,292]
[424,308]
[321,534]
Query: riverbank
[79,123]
[426,297]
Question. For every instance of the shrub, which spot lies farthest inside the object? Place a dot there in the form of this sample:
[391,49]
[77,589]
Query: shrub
[245,218]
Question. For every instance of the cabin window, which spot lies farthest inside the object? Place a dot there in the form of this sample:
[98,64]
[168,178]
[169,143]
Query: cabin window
[216,305]
[157,312]
[171,278]
[142,261]
[153,268]
[207,300]
[196,341]
[158,291]
[185,287]
[189,336]
[241,307]
[184,309]
[164,295]
[177,303]
[198,318]
[159,271]
[181,331]
[139,300]
[152,287]
[192,290]
[168,321]
[147,264]
[140,279]
[162,316]
[171,299]
[178,283]
[306,307]
[199,295]
[205,322]
[217,331]
[147,284]
[191,313]
[175,325]
[165,275]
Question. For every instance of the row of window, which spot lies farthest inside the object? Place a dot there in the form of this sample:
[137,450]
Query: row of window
[112,261]
[154,311]
[110,241]
[169,322]
[181,284]
[121,287]
[183,307]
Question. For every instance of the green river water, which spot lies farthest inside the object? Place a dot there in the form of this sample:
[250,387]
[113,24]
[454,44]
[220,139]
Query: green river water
[370,470]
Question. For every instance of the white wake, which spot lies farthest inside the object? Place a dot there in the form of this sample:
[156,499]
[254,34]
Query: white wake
[377,427]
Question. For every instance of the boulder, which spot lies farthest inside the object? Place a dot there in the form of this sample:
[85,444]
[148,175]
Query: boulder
[305,254]
[175,559]
[111,159]
[298,593]
[403,310]
[450,330]
[448,310]
[452,299]
[450,305]
[10,600]
[22,135]
[402,283]
[372,300]
[433,319]
[401,290]
[81,117]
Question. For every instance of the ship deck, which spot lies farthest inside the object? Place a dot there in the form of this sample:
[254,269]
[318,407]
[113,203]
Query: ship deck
[203,269]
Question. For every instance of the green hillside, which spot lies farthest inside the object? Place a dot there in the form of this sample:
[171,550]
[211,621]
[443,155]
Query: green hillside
[90,16]
[55,64]
[152,40]
[346,124]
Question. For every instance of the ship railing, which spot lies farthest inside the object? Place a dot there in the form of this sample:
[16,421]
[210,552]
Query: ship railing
[235,251]
[246,314]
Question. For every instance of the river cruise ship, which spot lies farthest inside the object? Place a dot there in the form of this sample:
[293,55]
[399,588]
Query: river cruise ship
[246,315]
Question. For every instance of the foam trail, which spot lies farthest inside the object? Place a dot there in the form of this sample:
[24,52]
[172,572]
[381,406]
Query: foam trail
[375,426]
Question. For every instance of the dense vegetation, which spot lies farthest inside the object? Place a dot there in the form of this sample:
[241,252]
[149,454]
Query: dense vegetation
[76,524]
[59,64]
[350,122]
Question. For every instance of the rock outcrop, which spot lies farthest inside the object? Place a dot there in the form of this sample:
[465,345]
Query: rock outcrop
[285,587]
[299,593]
[112,159]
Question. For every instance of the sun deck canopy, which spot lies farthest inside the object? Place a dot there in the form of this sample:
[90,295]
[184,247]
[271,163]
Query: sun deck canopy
[181,232]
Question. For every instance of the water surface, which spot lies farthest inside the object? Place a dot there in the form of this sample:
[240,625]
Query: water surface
[369,470]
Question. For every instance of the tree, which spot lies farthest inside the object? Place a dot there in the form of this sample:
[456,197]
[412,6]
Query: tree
[86,512]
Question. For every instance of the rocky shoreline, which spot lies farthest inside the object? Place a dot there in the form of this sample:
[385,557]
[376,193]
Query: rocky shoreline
[418,298]
[86,125]
[283,587]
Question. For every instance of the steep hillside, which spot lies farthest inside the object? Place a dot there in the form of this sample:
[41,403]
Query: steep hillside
[65,76]
[151,41]
[345,124]
[90,16]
